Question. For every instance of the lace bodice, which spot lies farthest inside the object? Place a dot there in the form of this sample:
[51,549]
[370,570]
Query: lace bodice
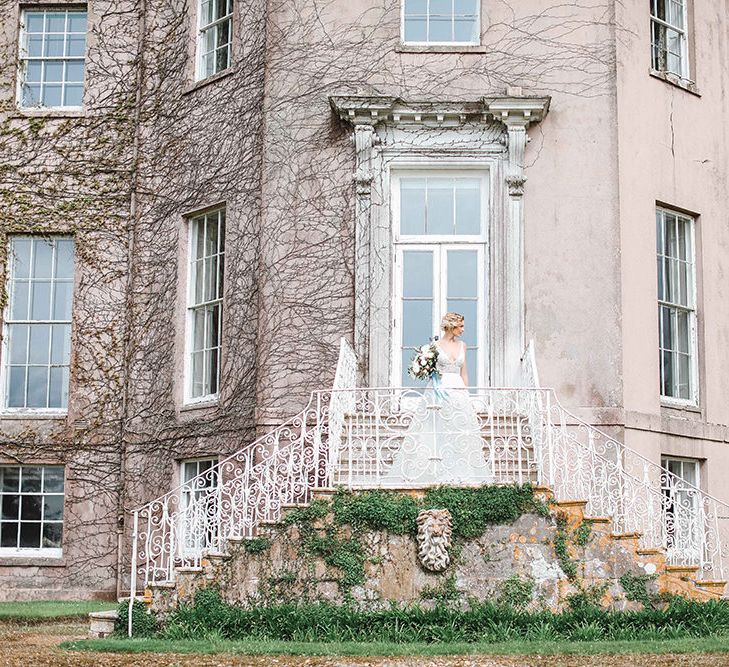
[447,365]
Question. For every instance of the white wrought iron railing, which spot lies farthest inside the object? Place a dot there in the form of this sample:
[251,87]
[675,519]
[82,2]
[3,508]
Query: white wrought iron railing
[578,461]
[369,437]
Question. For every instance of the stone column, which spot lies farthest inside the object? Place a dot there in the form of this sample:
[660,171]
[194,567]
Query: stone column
[516,113]
[364,141]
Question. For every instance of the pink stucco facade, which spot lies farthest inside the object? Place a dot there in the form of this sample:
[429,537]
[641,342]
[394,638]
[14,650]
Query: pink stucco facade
[153,147]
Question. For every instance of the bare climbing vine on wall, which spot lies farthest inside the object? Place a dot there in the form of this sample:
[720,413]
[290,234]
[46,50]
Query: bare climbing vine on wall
[152,147]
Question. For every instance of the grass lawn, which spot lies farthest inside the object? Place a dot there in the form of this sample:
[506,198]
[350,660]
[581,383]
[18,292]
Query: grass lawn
[518,647]
[50,609]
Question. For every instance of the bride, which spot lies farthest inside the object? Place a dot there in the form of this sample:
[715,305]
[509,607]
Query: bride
[442,443]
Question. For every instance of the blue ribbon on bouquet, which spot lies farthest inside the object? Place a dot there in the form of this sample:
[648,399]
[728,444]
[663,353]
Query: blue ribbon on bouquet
[437,388]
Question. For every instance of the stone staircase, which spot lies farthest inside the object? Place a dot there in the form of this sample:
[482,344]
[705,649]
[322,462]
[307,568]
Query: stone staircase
[372,440]
[526,546]
[675,579]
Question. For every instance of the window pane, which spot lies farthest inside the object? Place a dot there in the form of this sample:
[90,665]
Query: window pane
[18,343]
[55,21]
[37,387]
[198,329]
[77,22]
[211,279]
[416,7]
[417,274]
[10,507]
[405,379]
[52,535]
[40,306]
[61,344]
[52,508]
[30,535]
[462,273]
[76,46]
[42,259]
[417,322]
[9,478]
[52,95]
[465,29]
[19,300]
[30,479]
[440,29]
[9,535]
[62,301]
[465,7]
[75,71]
[39,343]
[468,206]
[441,7]
[469,309]
[54,71]
[416,30]
[31,95]
[440,206]
[34,46]
[16,387]
[34,71]
[21,258]
[57,389]
[53,479]
[34,21]
[412,206]
[30,506]
[53,46]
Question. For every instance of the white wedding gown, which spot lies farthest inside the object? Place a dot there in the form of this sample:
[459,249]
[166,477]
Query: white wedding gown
[442,443]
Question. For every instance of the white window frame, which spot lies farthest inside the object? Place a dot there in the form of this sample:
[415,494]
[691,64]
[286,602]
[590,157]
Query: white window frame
[201,30]
[474,42]
[405,242]
[190,307]
[693,400]
[186,492]
[695,499]
[43,552]
[5,347]
[23,56]
[683,36]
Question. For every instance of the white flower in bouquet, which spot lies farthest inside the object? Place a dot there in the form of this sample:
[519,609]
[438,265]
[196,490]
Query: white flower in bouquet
[423,363]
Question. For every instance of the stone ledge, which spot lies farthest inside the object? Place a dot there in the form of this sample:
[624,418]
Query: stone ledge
[626,536]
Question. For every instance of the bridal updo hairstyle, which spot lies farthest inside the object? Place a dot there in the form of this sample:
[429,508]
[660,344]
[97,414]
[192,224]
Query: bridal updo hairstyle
[451,320]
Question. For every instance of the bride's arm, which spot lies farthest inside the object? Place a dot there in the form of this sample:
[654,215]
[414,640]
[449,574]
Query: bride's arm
[464,370]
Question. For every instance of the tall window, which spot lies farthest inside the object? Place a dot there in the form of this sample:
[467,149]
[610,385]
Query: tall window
[441,21]
[52,52]
[215,37]
[38,323]
[199,504]
[669,37]
[682,510]
[440,262]
[31,498]
[205,314]
[676,305]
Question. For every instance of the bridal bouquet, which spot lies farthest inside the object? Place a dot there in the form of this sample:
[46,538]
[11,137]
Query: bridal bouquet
[422,365]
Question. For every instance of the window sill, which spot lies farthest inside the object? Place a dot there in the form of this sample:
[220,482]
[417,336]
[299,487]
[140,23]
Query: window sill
[202,405]
[678,82]
[441,48]
[678,407]
[213,78]
[27,560]
[48,113]
[24,416]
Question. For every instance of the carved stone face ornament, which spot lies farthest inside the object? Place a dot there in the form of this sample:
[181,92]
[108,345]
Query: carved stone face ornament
[434,539]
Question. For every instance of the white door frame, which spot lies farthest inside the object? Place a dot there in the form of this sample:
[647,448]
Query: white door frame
[440,244]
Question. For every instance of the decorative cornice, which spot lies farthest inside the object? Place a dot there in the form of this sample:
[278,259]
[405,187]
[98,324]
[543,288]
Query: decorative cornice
[518,110]
[375,109]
